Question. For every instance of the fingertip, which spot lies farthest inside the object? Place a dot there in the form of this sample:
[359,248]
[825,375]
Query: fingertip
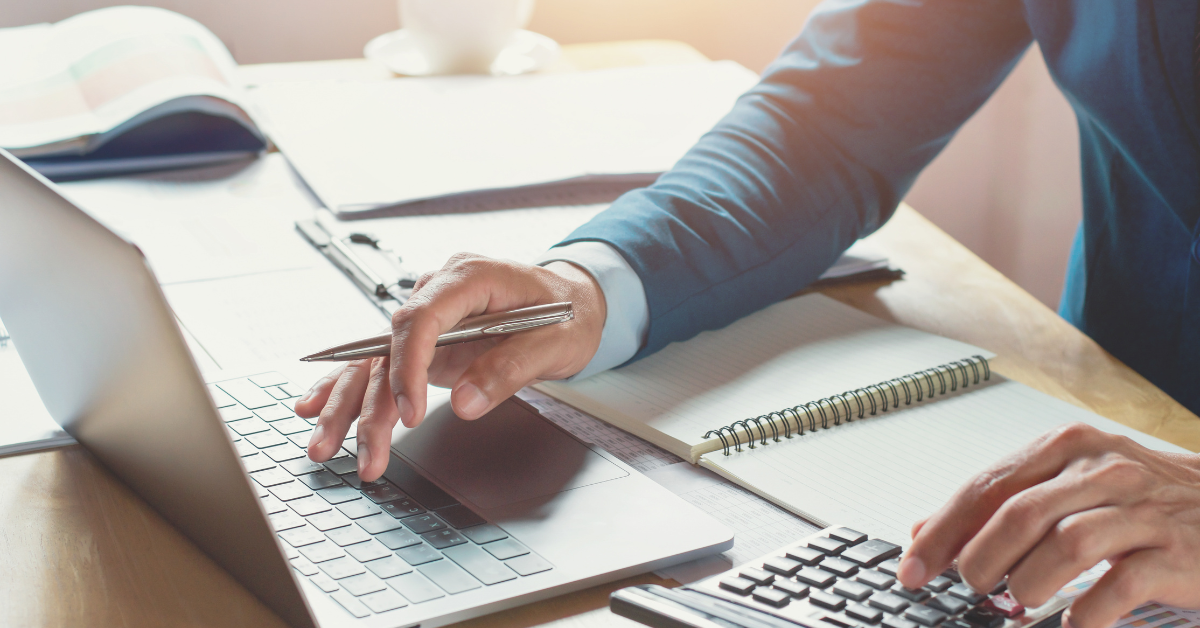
[468,401]
[912,571]
[408,414]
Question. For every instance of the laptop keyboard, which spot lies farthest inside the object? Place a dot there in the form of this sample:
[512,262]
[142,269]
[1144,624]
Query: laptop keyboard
[373,546]
[840,578]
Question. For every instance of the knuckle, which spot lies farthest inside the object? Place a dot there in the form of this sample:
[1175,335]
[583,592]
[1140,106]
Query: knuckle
[1072,436]
[1022,509]
[1119,472]
[508,368]
[1073,537]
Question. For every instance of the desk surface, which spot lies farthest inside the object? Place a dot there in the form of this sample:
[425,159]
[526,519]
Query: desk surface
[80,548]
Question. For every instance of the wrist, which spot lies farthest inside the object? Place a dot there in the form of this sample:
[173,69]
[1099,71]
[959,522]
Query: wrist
[588,304]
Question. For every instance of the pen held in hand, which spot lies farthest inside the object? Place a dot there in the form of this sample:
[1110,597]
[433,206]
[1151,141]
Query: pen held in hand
[467,330]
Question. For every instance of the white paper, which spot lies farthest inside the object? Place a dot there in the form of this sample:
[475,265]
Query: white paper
[364,145]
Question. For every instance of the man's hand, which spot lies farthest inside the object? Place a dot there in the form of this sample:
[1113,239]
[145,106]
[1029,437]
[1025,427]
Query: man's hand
[1046,514]
[482,373]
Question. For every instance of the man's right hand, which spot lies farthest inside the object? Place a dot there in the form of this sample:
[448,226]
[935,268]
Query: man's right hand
[482,374]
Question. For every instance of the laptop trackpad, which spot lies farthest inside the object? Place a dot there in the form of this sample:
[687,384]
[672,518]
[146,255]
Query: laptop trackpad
[509,455]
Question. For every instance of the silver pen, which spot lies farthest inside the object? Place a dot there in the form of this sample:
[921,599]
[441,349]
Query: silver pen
[474,328]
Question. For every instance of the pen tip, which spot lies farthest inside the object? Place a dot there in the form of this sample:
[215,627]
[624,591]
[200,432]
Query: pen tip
[306,359]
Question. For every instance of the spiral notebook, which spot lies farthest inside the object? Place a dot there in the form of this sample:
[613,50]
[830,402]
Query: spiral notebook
[829,412]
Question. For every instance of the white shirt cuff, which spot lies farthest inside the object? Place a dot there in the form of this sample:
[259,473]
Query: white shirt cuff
[624,296]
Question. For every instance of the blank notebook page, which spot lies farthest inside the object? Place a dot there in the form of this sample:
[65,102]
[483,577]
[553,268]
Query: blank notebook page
[795,351]
[881,475]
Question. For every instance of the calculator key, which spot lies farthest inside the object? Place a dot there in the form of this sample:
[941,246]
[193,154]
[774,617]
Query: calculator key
[418,554]
[847,536]
[947,604]
[870,553]
[805,555]
[983,618]
[301,466]
[388,567]
[827,600]
[328,520]
[424,523]
[912,595]
[1004,604]
[964,592]
[839,620]
[738,585]
[343,465]
[865,613]
[320,479]
[380,493]
[371,550]
[856,591]
[402,508]
[383,601]
[449,576]
[358,509]
[772,597]
[274,413]
[924,615]
[843,568]
[816,577]
[939,584]
[351,604]
[1000,587]
[362,584]
[827,545]
[783,566]
[308,506]
[348,535]
[876,579]
[442,539]
[415,588]
[898,622]
[378,524]
[321,552]
[397,539]
[952,574]
[956,623]
[889,602]
[266,439]
[479,563]
[486,533]
[791,587]
[339,494]
[528,564]
[757,576]
[247,393]
[460,517]
[889,567]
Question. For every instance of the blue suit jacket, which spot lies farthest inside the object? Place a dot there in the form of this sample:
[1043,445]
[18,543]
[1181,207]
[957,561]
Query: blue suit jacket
[823,149]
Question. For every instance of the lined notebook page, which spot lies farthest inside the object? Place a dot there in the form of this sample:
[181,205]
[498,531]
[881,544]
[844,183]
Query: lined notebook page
[881,475]
[795,351]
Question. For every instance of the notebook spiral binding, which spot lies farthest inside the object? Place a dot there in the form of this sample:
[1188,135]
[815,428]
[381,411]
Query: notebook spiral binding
[838,408]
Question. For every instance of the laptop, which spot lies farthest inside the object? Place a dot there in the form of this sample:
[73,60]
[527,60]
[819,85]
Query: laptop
[471,517]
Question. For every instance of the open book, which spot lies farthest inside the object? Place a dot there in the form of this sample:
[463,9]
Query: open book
[118,90]
[829,412]
[472,143]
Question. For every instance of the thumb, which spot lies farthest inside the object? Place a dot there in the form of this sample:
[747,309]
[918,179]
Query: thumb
[501,371]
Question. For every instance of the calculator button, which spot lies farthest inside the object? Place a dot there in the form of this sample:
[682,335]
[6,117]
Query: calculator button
[856,591]
[964,592]
[847,536]
[924,615]
[948,604]
[983,618]
[889,602]
[939,584]
[782,565]
[952,574]
[1004,604]
[827,545]
[772,597]
[889,567]
[791,587]
[897,622]
[1000,587]
[805,555]
[816,577]
[912,595]
[827,600]
[869,553]
[878,580]
[757,576]
[956,623]
[865,613]
[843,568]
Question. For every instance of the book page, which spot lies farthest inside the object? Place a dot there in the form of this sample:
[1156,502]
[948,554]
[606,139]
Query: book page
[793,352]
[881,475]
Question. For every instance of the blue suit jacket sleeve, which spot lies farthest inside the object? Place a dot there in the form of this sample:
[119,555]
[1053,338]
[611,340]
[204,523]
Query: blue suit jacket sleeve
[817,155]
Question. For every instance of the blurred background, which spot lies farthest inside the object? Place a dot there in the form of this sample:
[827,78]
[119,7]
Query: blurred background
[1007,186]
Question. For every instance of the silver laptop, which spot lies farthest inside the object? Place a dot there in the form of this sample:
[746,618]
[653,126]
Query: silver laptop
[470,518]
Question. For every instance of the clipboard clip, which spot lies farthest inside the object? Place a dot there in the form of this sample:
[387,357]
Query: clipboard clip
[372,266]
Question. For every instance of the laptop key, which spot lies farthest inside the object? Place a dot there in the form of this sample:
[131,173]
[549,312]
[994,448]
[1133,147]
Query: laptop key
[304,566]
[378,524]
[341,567]
[417,486]
[402,508]
[220,398]
[343,465]
[244,449]
[307,506]
[380,493]
[415,588]
[283,453]
[272,505]
[397,539]
[289,491]
[480,564]
[358,509]
[486,533]
[424,523]
[247,393]
[510,548]
[277,393]
[262,440]
[362,584]
[257,462]
[274,413]
[418,554]
[389,566]
[351,604]
[330,520]
[245,427]
[442,539]
[299,537]
[302,466]
[348,535]
[301,439]
[320,479]
[528,564]
[262,380]
[271,477]
[339,494]
[291,389]
[260,491]
[449,576]
[290,552]
[460,517]
[287,427]
[235,413]
[353,480]
[383,601]
[371,550]
[324,582]
[323,551]
[285,521]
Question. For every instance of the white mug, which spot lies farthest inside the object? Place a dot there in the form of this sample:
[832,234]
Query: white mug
[462,36]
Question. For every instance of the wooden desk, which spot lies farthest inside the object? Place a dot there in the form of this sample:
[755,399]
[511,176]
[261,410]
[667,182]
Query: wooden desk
[80,549]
